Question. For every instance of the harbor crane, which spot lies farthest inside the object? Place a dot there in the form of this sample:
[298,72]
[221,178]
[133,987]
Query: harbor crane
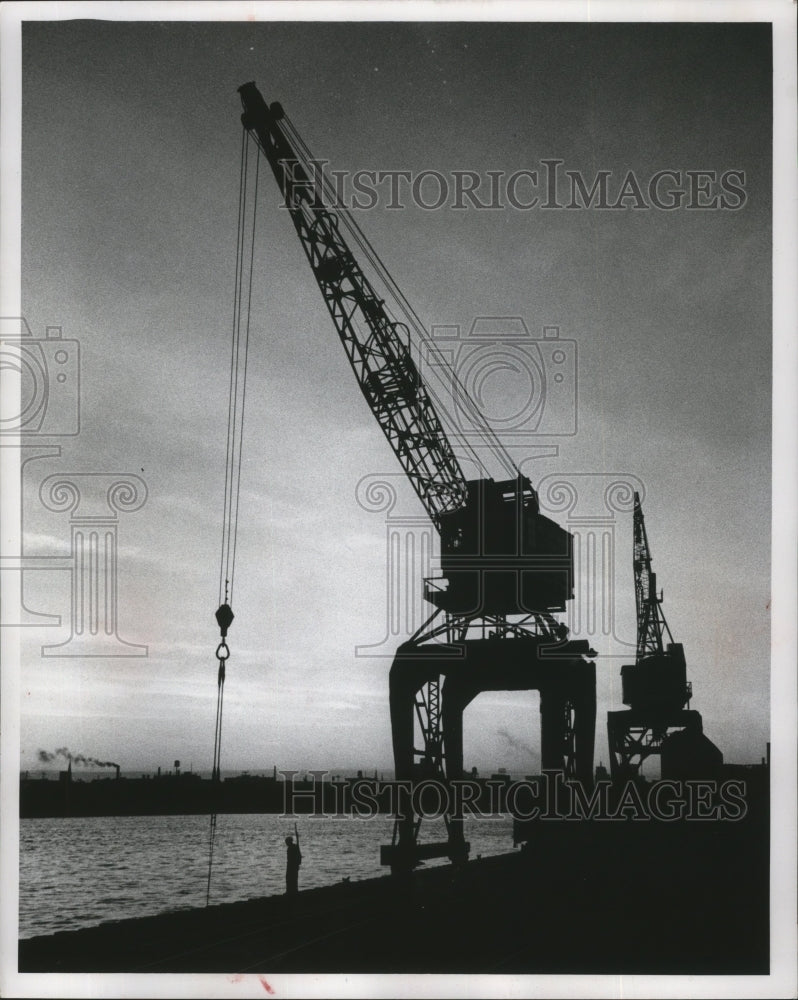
[506,569]
[655,686]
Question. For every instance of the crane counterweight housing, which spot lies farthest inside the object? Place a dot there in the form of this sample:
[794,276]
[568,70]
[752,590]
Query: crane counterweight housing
[500,555]
[657,682]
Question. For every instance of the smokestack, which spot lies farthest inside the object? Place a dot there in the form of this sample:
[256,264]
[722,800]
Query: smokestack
[65,778]
[117,771]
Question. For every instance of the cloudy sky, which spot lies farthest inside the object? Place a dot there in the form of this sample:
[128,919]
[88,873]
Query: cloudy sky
[130,160]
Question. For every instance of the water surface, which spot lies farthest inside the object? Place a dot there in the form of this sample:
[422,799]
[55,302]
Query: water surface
[79,872]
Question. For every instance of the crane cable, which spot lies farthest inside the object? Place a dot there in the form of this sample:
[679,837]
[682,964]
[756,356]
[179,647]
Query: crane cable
[232,478]
[477,418]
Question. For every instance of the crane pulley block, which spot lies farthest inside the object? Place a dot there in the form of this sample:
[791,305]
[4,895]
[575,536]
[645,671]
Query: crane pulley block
[224,618]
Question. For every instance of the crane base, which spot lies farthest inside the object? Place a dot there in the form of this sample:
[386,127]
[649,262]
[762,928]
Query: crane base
[397,856]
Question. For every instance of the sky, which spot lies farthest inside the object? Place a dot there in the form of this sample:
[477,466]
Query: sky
[130,162]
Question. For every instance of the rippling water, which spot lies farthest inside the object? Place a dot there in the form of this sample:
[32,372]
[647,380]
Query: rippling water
[82,872]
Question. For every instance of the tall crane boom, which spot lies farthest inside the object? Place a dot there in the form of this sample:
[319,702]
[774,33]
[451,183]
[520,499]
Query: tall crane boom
[377,347]
[651,623]
[656,682]
[498,552]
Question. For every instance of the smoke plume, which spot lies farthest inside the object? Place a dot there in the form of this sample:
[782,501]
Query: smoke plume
[517,744]
[45,757]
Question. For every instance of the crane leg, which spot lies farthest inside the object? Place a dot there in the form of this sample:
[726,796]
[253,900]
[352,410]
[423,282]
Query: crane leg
[568,721]
[456,696]
[552,730]
[585,722]
[407,676]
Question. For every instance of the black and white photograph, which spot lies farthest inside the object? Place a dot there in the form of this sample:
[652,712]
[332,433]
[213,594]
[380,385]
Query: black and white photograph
[398,447]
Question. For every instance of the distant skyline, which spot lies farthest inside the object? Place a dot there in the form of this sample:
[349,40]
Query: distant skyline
[130,145]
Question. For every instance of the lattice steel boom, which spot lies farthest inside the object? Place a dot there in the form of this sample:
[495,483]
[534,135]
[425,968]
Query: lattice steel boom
[377,346]
[651,623]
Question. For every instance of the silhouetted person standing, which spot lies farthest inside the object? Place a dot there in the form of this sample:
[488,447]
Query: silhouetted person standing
[293,860]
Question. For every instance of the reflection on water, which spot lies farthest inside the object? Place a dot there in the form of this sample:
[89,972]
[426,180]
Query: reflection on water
[81,872]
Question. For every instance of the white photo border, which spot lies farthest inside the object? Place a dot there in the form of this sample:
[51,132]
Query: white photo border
[783,978]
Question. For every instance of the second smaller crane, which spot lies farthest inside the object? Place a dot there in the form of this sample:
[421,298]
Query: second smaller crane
[655,686]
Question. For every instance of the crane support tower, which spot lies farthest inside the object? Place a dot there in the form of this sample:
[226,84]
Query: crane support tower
[656,689]
[506,569]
